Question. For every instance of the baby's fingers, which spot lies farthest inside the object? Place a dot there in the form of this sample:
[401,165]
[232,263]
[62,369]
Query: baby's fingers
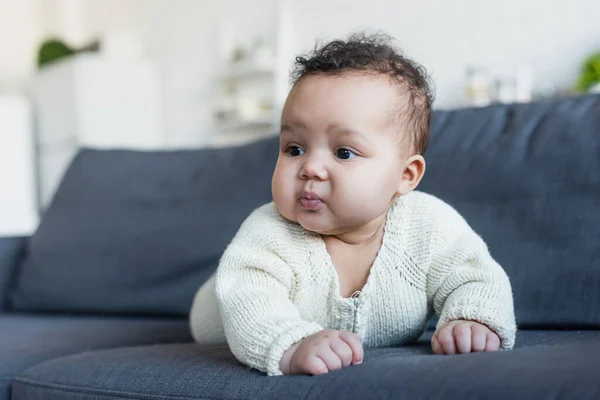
[446,340]
[312,365]
[436,346]
[343,351]
[330,358]
[354,342]
[492,342]
[462,337]
[479,334]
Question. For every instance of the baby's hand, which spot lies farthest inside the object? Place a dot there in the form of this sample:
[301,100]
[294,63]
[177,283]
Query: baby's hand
[322,352]
[461,336]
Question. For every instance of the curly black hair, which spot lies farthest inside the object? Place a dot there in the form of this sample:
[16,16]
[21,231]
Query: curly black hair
[376,53]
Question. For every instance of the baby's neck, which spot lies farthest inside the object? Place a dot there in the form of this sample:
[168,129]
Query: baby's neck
[363,235]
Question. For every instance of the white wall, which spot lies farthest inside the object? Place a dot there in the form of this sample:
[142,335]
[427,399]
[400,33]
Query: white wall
[18,212]
[19,32]
[552,37]
[181,37]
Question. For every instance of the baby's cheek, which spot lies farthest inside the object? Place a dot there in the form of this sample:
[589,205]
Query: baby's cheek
[281,182]
[371,189]
[284,199]
[282,203]
[362,203]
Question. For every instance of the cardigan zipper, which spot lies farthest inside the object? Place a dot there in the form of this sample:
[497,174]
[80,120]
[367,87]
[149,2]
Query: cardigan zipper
[356,300]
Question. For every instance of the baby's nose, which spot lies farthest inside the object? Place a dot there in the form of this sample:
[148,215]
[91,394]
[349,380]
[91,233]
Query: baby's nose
[313,168]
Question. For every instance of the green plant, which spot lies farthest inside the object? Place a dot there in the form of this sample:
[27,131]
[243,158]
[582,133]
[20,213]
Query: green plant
[54,49]
[590,73]
[239,54]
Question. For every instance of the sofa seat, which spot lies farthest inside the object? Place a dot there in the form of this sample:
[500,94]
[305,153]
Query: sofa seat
[28,339]
[544,364]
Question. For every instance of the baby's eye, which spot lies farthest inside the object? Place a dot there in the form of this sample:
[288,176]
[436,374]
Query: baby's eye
[344,154]
[294,151]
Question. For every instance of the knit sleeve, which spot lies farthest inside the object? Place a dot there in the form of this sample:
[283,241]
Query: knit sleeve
[253,291]
[464,281]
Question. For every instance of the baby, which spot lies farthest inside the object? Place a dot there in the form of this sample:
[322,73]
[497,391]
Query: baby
[349,254]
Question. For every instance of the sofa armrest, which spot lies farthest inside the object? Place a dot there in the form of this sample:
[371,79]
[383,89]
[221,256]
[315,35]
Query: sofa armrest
[11,251]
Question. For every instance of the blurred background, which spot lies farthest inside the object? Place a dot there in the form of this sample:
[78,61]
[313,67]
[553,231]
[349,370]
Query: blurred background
[165,74]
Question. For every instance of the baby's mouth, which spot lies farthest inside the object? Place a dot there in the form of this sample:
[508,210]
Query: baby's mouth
[310,201]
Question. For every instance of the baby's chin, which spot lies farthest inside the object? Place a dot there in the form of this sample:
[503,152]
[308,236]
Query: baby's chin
[316,224]
[311,221]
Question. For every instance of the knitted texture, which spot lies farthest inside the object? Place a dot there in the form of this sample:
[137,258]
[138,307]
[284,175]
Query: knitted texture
[276,284]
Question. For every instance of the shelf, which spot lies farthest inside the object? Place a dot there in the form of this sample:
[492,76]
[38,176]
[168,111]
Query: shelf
[244,70]
[246,124]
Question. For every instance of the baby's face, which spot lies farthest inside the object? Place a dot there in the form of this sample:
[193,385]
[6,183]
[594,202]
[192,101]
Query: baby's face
[341,159]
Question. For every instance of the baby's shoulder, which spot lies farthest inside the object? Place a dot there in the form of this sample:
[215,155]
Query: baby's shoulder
[427,213]
[266,215]
[266,226]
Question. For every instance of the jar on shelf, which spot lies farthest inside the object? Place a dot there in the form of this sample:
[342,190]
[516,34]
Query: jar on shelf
[478,86]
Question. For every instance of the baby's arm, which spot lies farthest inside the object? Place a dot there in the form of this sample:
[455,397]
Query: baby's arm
[263,327]
[253,292]
[470,292]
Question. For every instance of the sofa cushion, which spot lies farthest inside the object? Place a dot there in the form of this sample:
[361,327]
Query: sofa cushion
[11,251]
[26,340]
[544,365]
[139,232]
[527,179]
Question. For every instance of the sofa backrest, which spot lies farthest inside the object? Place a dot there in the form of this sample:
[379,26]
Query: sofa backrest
[527,179]
[11,251]
[139,232]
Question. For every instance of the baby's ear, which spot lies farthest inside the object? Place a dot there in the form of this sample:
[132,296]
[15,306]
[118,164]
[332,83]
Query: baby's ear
[414,169]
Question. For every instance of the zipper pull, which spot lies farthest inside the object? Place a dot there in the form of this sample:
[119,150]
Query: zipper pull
[355,300]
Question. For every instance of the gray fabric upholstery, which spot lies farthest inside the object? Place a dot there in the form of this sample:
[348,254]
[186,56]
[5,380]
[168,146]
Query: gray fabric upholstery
[139,232]
[527,179]
[27,340]
[558,365]
[11,250]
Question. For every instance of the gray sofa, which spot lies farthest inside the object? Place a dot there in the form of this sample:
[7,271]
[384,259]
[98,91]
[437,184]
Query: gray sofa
[94,303]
